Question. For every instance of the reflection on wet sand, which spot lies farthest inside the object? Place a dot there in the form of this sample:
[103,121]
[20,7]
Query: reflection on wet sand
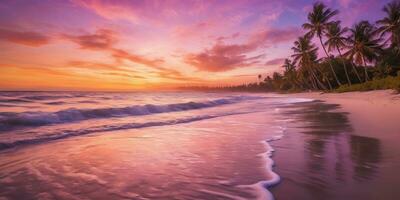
[327,157]
[365,152]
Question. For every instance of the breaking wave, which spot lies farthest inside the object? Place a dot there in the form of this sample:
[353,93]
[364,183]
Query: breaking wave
[12,120]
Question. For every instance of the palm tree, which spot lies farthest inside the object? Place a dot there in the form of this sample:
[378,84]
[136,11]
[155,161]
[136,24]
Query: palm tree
[336,41]
[318,21]
[288,66]
[290,72]
[391,24]
[304,54]
[364,45]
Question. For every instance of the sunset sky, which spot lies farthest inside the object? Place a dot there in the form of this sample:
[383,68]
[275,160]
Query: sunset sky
[149,44]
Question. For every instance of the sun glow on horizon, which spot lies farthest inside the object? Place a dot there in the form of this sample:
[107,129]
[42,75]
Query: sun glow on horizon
[150,44]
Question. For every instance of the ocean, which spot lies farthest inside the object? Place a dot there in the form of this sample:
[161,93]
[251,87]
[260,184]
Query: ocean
[180,145]
[140,145]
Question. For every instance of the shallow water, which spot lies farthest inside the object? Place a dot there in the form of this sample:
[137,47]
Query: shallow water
[177,146]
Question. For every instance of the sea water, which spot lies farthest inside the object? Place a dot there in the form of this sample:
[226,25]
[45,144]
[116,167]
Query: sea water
[139,145]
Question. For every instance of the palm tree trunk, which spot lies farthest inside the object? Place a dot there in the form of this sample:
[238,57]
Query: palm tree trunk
[329,61]
[325,77]
[308,83]
[365,70]
[317,80]
[313,83]
[344,66]
[355,71]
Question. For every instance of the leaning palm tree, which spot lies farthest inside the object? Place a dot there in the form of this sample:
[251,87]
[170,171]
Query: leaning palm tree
[364,45]
[318,21]
[304,54]
[391,24]
[336,41]
[288,65]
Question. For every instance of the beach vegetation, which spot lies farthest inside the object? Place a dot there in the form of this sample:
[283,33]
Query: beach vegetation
[365,56]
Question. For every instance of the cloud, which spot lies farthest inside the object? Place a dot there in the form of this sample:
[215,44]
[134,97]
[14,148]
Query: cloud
[277,35]
[109,10]
[344,3]
[225,57]
[122,54]
[28,38]
[97,66]
[222,57]
[192,30]
[105,40]
[102,39]
[126,75]
[155,64]
[276,61]
[141,11]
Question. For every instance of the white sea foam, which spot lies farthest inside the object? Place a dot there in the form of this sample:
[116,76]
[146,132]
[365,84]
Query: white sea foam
[298,100]
[261,187]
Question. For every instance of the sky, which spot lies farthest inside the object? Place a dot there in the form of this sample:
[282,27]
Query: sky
[153,44]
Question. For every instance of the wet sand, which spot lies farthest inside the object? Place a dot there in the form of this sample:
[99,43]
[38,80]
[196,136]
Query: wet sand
[345,147]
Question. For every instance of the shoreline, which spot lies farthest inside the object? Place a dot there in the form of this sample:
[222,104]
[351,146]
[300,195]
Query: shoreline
[345,148]
[369,112]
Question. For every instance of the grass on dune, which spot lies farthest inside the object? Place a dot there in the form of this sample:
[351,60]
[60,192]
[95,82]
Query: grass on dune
[389,82]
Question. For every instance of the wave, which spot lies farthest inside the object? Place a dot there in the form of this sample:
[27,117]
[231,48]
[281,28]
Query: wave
[14,100]
[46,97]
[61,134]
[11,120]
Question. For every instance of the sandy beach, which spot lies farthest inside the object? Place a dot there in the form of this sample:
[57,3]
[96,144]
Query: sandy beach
[351,153]
[373,113]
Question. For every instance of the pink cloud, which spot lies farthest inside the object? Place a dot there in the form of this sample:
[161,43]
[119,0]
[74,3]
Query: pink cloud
[142,11]
[344,3]
[191,30]
[110,9]
[105,40]
[276,61]
[102,39]
[224,57]
[27,38]
[273,36]
[212,61]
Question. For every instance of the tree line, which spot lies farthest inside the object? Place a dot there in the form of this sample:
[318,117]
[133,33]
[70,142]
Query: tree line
[356,55]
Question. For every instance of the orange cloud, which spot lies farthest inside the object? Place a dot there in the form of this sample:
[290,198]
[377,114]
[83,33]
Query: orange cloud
[122,54]
[124,75]
[98,66]
[27,38]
